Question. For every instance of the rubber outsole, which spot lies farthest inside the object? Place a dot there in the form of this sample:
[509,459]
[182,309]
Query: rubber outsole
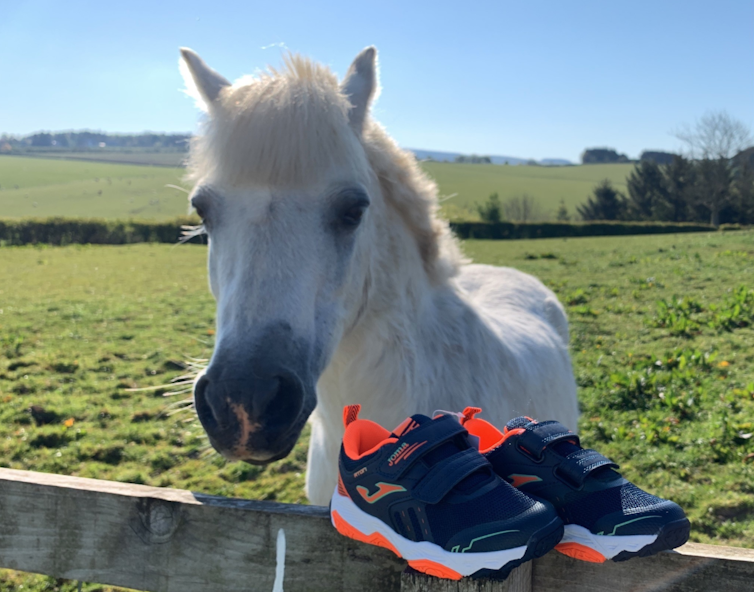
[540,543]
[583,545]
[432,559]
[671,536]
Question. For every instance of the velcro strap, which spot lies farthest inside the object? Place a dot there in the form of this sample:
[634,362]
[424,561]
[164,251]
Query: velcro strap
[577,465]
[538,436]
[419,441]
[446,474]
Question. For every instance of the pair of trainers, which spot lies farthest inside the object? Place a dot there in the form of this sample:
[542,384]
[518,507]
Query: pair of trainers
[457,497]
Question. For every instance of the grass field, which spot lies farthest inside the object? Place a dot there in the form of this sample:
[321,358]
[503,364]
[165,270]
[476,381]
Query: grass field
[666,389]
[473,183]
[32,186]
[128,156]
[54,187]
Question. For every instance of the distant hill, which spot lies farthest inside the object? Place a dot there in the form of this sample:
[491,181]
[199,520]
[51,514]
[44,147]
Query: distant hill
[555,162]
[438,156]
[137,148]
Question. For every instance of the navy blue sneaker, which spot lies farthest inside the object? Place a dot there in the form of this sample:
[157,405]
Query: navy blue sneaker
[426,493]
[605,516]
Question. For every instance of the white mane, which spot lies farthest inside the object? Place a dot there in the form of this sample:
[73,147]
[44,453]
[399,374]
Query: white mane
[289,126]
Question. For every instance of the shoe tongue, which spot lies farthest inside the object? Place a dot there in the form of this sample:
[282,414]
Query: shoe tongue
[409,424]
[446,449]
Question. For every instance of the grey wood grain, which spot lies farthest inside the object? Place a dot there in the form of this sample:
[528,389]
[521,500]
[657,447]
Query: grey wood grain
[167,540]
[518,581]
[691,568]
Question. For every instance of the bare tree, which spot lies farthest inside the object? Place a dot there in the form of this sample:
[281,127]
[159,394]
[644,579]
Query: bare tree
[522,209]
[715,135]
[713,141]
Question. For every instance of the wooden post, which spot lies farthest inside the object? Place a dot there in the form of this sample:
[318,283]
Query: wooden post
[518,581]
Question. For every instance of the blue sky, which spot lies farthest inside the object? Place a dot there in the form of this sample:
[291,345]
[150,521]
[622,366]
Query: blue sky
[531,79]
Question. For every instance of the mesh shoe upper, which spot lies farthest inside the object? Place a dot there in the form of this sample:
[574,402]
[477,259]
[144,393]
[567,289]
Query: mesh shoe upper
[429,483]
[547,461]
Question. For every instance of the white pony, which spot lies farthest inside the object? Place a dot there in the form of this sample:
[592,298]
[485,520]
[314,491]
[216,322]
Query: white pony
[336,283]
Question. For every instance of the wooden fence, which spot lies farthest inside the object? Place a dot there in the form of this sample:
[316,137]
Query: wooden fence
[168,540]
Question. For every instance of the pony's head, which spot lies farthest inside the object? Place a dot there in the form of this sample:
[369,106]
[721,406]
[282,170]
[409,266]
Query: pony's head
[284,189]
[297,188]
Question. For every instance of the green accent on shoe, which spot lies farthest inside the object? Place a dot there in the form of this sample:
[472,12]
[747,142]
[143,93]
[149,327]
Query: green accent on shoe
[617,526]
[455,549]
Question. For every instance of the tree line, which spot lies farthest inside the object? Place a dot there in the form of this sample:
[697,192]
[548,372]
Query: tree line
[713,183]
[90,140]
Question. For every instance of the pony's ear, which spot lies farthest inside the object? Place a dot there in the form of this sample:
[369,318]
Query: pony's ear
[360,86]
[202,82]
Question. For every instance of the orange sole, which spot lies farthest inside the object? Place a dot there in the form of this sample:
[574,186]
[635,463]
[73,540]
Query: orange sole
[426,566]
[581,552]
[349,531]
[432,568]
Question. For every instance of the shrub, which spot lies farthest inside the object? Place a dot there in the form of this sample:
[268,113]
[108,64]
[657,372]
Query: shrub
[67,231]
[490,210]
[514,230]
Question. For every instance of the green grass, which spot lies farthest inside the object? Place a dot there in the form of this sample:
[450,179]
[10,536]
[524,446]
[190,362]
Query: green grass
[128,156]
[31,186]
[661,343]
[473,183]
[44,187]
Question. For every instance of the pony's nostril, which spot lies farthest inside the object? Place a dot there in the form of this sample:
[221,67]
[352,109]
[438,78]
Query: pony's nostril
[279,401]
[203,409]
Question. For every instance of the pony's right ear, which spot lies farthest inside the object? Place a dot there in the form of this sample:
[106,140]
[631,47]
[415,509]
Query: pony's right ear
[202,82]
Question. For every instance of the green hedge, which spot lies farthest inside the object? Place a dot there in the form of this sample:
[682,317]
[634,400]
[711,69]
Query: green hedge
[515,230]
[67,231]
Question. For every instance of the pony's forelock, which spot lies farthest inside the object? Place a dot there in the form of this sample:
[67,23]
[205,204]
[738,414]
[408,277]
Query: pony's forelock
[289,127]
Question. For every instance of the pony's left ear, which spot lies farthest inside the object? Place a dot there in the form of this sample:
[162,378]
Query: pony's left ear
[202,82]
[360,86]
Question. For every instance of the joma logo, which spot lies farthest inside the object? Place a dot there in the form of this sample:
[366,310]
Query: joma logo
[403,452]
[396,453]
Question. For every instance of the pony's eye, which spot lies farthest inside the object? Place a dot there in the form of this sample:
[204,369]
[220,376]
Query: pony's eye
[200,210]
[352,216]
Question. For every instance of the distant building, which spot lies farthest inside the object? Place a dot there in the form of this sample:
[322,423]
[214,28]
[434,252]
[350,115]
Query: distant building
[602,156]
[657,156]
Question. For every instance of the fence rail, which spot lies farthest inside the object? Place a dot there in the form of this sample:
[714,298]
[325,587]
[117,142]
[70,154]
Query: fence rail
[168,540]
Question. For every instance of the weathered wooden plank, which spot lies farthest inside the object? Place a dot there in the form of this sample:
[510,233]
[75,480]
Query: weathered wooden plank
[167,540]
[171,540]
[691,568]
[518,581]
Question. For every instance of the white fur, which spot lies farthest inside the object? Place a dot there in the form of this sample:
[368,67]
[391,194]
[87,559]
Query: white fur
[406,327]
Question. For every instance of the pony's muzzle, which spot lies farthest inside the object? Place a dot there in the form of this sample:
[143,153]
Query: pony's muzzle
[256,419]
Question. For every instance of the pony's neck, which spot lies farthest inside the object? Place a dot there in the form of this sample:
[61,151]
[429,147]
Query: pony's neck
[383,359]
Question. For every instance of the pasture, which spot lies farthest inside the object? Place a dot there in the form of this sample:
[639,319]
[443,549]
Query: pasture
[43,187]
[40,187]
[473,183]
[667,389]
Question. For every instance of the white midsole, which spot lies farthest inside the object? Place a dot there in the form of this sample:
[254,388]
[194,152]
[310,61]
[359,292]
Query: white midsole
[609,546]
[463,563]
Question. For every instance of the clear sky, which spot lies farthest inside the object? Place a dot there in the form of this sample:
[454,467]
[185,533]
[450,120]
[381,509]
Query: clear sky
[532,78]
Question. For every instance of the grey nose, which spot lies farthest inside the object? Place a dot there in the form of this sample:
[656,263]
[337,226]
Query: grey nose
[250,415]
